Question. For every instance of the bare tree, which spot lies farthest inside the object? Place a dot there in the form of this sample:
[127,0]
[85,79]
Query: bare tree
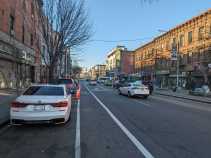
[64,25]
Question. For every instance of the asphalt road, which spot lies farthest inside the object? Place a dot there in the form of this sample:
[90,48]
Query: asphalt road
[114,126]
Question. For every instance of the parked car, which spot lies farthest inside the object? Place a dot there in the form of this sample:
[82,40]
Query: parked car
[93,82]
[203,91]
[69,82]
[42,103]
[134,89]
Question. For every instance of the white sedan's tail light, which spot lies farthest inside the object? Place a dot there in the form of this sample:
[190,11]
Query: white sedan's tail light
[16,104]
[61,104]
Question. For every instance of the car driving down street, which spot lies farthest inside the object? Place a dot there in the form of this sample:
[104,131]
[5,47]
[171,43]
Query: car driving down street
[134,89]
[42,103]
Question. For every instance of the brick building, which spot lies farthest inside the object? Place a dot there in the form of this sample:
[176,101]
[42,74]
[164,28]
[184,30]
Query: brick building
[192,40]
[19,42]
[120,61]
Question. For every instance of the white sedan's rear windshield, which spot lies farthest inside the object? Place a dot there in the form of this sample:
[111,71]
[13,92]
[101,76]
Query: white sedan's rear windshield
[45,90]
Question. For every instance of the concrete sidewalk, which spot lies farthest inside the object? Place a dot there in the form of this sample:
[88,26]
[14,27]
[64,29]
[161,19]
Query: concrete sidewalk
[184,94]
[6,97]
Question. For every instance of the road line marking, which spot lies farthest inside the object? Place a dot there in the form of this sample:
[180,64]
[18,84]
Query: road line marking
[134,140]
[77,137]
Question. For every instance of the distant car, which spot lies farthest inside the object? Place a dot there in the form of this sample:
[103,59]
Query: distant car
[93,82]
[108,82]
[101,80]
[42,103]
[134,89]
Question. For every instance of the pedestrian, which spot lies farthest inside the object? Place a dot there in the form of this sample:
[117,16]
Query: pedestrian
[192,85]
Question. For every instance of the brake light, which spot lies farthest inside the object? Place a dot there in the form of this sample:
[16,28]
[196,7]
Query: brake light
[16,104]
[61,104]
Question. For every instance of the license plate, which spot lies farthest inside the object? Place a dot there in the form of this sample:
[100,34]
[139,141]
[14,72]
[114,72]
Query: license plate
[39,108]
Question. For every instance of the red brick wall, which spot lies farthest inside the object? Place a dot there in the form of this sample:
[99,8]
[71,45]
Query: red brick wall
[127,63]
[22,17]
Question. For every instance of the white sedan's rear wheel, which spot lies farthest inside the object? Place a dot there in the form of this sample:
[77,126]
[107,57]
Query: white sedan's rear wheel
[129,94]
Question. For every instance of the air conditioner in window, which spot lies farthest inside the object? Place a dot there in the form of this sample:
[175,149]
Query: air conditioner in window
[23,54]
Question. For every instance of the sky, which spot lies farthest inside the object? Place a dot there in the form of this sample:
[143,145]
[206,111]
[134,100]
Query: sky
[132,23]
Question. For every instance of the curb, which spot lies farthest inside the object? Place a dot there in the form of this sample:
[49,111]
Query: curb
[4,122]
[6,119]
[197,100]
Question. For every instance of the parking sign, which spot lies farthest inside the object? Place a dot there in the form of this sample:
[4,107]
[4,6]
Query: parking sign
[174,54]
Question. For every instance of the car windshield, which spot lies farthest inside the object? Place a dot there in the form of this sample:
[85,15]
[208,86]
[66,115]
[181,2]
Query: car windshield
[65,81]
[44,90]
[137,85]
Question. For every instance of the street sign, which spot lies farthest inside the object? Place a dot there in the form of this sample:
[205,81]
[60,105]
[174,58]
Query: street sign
[174,54]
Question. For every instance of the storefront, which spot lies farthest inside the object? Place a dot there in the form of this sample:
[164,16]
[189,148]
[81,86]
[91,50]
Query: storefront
[17,67]
[161,78]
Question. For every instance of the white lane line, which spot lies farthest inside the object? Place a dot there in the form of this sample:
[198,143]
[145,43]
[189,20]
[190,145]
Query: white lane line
[77,138]
[134,140]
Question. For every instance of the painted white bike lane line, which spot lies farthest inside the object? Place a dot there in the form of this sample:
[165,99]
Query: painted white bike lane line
[77,137]
[133,139]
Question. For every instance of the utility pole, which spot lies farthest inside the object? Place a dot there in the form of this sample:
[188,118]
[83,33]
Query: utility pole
[178,58]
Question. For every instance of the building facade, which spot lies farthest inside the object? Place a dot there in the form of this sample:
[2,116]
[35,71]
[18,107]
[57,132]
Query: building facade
[192,43]
[119,61]
[19,42]
[97,71]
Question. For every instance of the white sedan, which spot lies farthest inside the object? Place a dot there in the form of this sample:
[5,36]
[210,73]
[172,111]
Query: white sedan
[134,89]
[93,82]
[42,103]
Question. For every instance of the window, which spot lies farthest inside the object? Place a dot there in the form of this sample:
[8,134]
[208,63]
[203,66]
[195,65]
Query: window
[24,5]
[12,23]
[32,39]
[174,43]
[181,40]
[23,33]
[201,33]
[210,31]
[190,37]
[189,56]
[45,90]
[32,10]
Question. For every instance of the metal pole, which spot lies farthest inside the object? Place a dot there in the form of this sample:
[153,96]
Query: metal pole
[178,65]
